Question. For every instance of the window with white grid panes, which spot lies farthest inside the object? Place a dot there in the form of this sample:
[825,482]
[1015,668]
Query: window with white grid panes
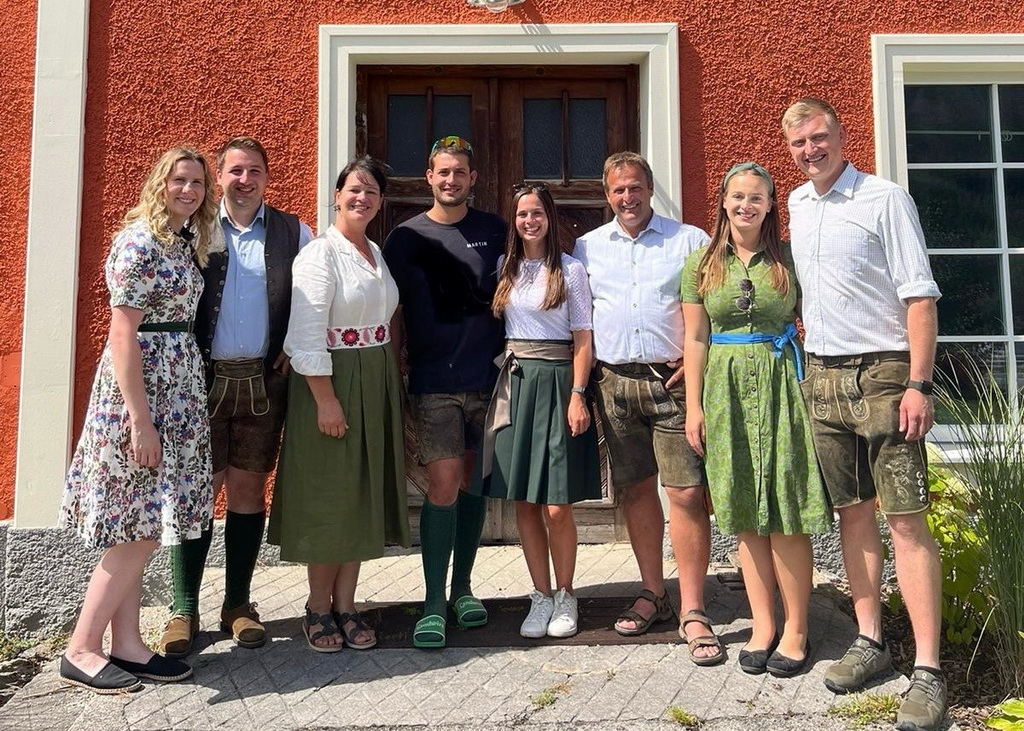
[965,170]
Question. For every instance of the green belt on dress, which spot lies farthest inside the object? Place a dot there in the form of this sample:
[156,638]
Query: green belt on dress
[499,411]
[183,326]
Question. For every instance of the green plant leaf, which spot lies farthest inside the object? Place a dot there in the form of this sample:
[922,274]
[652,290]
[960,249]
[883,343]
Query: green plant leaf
[1005,723]
[1013,707]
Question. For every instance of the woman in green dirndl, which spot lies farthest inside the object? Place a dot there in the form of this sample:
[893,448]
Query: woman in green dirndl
[746,416]
[340,490]
[541,445]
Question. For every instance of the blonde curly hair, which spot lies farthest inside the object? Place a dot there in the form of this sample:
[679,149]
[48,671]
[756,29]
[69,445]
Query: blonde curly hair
[152,206]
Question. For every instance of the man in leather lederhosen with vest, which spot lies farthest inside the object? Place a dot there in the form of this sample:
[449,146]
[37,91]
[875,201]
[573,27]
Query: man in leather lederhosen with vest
[240,327]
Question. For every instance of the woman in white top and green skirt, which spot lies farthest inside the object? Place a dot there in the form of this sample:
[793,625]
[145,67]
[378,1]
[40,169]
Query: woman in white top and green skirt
[540,446]
[340,489]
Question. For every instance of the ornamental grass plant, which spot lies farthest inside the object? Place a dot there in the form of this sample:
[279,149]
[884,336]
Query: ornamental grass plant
[988,425]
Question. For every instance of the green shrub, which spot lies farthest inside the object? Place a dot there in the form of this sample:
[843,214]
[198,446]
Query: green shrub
[990,431]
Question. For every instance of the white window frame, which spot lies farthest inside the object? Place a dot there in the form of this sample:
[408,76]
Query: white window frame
[898,60]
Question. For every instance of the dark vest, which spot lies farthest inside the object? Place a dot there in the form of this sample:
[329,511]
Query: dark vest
[280,249]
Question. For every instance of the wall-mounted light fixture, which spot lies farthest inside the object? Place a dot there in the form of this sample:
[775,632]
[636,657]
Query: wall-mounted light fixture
[495,6]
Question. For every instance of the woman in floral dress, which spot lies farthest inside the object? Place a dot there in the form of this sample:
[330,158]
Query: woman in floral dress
[742,366]
[140,476]
[340,489]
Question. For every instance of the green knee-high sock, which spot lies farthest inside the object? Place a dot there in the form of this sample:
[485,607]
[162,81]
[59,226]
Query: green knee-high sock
[243,536]
[469,526]
[188,559]
[437,534]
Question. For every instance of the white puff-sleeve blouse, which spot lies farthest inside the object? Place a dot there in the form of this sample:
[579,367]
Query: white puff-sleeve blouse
[339,301]
[524,318]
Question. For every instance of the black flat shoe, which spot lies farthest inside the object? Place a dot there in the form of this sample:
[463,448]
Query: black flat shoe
[785,667]
[755,662]
[164,669]
[108,681]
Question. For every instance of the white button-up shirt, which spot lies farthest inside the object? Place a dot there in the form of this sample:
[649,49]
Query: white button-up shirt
[859,253]
[635,285]
[333,286]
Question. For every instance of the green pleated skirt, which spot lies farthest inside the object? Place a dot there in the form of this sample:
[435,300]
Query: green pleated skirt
[338,500]
[535,458]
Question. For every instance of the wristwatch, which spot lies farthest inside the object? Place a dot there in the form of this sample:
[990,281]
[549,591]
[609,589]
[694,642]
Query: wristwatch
[582,390]
[925,387]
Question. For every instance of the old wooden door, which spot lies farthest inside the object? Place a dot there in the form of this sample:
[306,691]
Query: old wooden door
[550,124]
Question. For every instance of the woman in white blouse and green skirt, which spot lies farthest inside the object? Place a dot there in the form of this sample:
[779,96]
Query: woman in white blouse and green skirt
[340,489]
[540,444]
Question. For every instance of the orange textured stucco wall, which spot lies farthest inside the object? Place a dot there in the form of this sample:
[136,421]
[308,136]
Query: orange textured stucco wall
[17,49]
[154,81]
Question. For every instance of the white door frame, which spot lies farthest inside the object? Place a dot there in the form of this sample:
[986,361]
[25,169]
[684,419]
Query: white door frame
[653,46]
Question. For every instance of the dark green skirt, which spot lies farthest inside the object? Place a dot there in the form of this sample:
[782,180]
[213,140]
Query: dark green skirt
[535,458]
[338,500]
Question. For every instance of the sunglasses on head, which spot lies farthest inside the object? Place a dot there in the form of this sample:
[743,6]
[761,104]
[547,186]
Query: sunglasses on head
[745,301]
[520,187]
[452,142]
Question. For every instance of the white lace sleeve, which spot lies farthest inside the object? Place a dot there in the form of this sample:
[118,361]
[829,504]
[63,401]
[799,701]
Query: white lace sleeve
[581,308]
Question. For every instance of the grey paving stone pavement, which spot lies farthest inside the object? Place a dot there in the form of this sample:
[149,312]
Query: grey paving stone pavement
[285,686]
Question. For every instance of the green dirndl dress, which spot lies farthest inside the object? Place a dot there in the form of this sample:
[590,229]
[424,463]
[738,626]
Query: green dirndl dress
[762,471]
[536,459]
[338,500]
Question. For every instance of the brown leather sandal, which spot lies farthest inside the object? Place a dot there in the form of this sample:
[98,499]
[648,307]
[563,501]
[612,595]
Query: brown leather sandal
[662,611]
[708,640]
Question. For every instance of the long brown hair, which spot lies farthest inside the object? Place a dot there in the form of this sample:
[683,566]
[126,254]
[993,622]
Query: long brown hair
[711,274]
[515,253]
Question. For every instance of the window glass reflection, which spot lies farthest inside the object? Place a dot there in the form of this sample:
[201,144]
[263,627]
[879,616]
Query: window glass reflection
[542,139]
[957,207]
[406,126]
[959,369]
[452,116]
[947,123]
[1011,121]
[971,302]
[587,144]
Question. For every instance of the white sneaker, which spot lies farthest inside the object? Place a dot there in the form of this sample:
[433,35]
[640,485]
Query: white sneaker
[536,622]
[564,616]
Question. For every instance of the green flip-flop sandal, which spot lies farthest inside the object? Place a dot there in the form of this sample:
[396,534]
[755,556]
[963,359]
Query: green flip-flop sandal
[469,611]
[429,632]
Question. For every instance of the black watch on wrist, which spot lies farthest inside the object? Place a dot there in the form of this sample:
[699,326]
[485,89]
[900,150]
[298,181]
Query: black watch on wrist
[925,387]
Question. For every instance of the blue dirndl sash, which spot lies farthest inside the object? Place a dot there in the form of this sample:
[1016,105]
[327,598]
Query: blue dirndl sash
[778,342]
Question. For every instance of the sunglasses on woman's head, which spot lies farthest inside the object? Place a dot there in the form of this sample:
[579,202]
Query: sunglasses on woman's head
[520,187]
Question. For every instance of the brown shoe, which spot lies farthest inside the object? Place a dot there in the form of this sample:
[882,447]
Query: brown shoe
[179,634]
[243,624]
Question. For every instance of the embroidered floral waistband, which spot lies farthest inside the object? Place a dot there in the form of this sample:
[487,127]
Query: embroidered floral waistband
[339,338]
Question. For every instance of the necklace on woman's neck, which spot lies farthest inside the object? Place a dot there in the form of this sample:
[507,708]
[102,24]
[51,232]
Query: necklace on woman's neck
[529,269]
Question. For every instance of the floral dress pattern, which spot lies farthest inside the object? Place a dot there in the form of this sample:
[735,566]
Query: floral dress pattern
[762,472]
[108,498]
